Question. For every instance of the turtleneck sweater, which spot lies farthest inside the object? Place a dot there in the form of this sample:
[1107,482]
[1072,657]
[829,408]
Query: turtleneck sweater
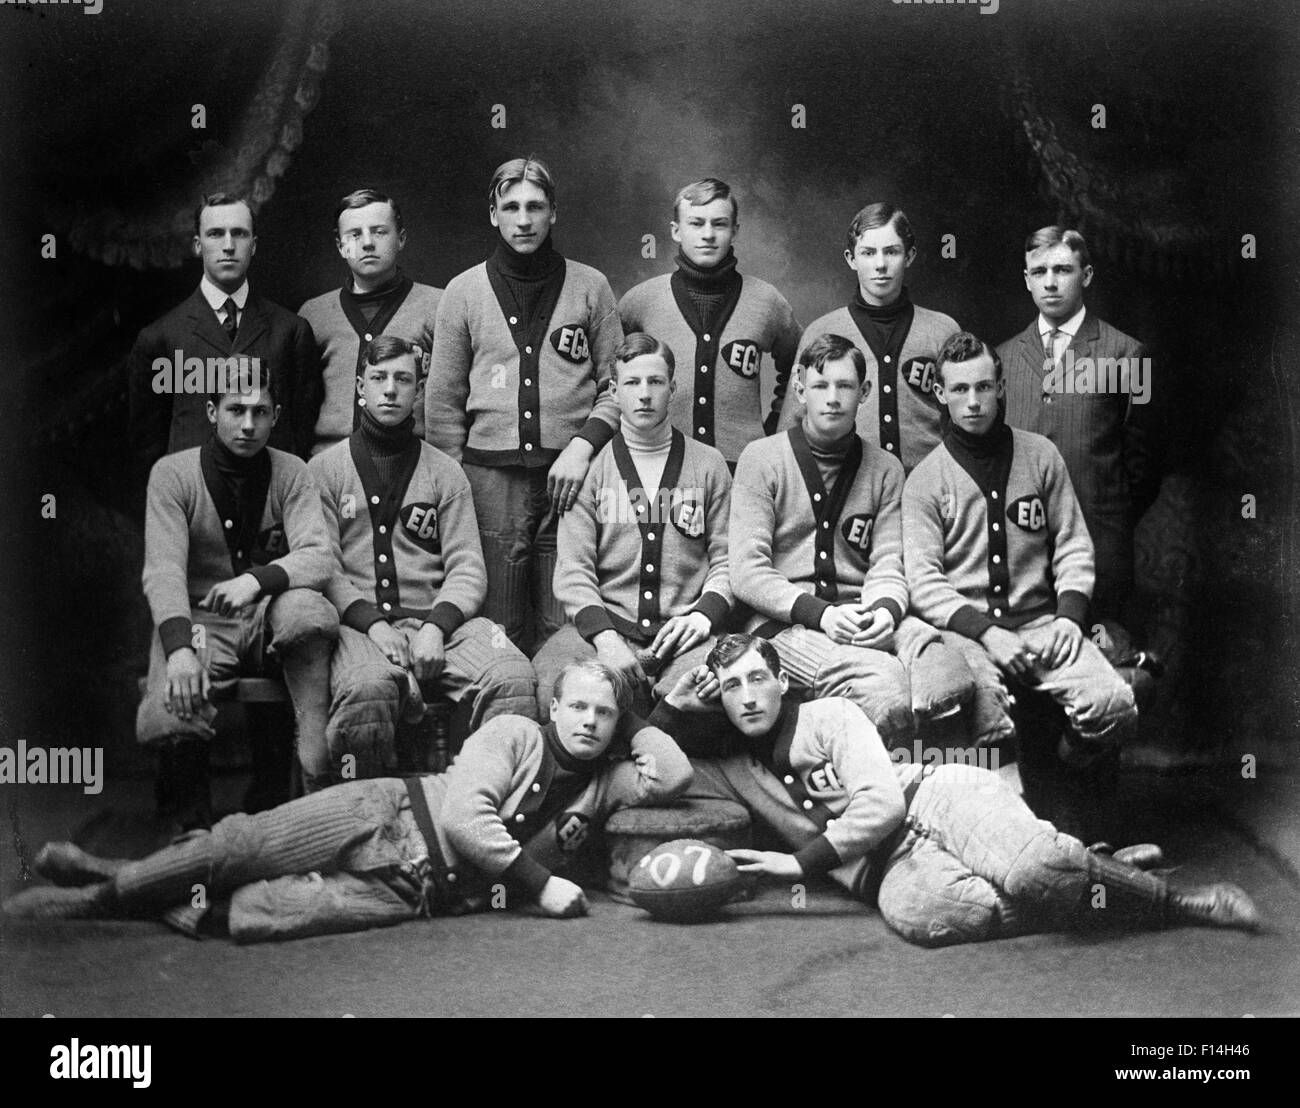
[385,444]
[649,449]
[527,275]
[708,288]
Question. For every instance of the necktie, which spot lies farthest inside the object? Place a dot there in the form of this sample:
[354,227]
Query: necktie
[1049,344]
[231,323]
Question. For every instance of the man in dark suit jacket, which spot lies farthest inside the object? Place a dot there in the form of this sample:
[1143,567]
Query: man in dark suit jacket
[1090,394]
[223,318]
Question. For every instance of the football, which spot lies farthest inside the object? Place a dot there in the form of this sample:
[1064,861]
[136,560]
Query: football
[684,880]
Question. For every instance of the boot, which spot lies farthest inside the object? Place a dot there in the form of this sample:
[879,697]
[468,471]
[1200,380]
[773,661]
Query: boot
[67,864]
[54,902]
[1134,895]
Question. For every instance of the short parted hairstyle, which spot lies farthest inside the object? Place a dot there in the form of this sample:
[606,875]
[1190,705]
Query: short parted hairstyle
[239,377]
[220,200]
[965,347]
[383,348]
[1050,236]
[593,668]
[881,214]
[705,192]
[360,198]
[731,647]
[831,348]
[637,344]
[510,173]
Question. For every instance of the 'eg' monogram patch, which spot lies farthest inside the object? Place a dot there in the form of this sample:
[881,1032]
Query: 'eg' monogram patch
[919,373]
[857,532]
[824,779]
[271,544]
[421,524]
[570,342]
[571,831]
[1028,513]
[687,514]
[742,356]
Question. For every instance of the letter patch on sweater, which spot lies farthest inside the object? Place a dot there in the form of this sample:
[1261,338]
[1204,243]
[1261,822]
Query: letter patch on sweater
[687,512]
[421,524]
[857,532]
[1027,513]
[824,779]
[570,342]
[271,544]
[742,356]
[919,373]
[571,831]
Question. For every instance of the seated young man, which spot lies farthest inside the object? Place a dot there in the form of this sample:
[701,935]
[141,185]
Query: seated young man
[816,553]
[949,854]
[642,567]
[998,557]
[235,553]
[727,323]
[408,579]
[495,830]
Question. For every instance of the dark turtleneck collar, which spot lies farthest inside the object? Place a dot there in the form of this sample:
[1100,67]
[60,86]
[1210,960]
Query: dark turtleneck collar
[989,445]
[537,266]
[398,280]
[385,441]
[883,313]
[722,274]
[585,767]
[232,465]
[836,450]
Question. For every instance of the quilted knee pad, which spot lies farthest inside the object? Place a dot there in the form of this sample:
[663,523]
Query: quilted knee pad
[362,725]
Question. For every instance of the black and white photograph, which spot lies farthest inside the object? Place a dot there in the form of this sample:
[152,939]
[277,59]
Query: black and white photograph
[600,508]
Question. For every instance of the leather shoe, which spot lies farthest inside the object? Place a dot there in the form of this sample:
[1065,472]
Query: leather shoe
[68,864]
[56,902]
[1218,905]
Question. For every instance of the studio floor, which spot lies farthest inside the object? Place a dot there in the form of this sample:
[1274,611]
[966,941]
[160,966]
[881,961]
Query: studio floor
[830,957]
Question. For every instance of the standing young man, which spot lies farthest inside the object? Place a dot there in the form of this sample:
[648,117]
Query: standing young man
[235,552]
[1060,384]
[495,830]
[897,338]
[726,322]
[949,854]
[642,568]
[408,578]
[223,318]
[998,556]
[378,298]
[516,393]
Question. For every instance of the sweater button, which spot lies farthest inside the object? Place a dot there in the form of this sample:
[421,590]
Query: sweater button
[387,607]
[826,523]
[788,779]
[451,877]
[704,400]
[997,588]
[229,524]
[384,583]
[383,530]
[997,558]
[889,419]
[528,381]
[995,527]
[997,611]
[706,338]
[822,554]
[648,595]
[383,557]
[704,369]
[886,359]
[889,446]
[645,623]
[528,349]
[528,415]
[528,446]
[649,567]
[519,818]
[651,536]
[888,389]
[994,494]
[817,498]
[703,431]
[807,805]
[536,787]
[514,319]
[374,500]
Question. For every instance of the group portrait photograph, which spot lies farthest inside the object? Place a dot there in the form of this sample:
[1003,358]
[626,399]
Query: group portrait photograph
[599,508]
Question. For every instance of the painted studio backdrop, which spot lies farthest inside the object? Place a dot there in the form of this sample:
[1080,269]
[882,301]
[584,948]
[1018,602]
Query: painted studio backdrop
[983,125]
